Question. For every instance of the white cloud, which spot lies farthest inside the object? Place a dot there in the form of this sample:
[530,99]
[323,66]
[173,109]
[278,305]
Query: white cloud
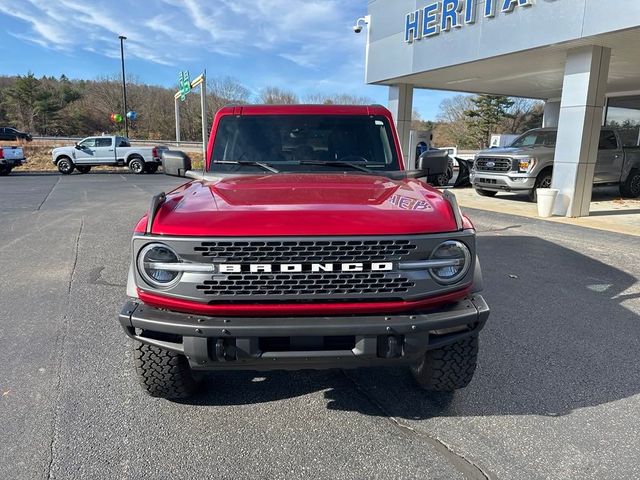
[309,42]
[302,31]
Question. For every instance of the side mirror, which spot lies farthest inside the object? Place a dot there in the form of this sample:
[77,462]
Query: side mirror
[78,146]
[433,163]
[175,163]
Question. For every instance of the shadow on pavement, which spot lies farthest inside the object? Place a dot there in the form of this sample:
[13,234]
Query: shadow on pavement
[607,213]
[558,339]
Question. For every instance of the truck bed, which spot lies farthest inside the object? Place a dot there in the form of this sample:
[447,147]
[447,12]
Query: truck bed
[12,153]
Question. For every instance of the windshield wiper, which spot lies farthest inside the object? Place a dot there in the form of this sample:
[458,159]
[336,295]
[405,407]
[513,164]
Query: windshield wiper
[264,166]
[336,163]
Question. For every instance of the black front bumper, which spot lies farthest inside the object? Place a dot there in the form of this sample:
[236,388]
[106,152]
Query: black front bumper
[274,343]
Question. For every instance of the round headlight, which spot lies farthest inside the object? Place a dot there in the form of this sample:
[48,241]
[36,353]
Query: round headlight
[456,260]
[154,264]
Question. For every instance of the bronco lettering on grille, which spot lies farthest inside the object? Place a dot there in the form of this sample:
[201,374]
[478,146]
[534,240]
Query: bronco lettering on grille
[304,267]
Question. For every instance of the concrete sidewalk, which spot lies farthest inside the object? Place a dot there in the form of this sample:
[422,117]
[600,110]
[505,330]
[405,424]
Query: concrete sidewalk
[608,211]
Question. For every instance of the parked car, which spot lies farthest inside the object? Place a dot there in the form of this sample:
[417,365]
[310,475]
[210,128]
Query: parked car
[527,164]
[303,245]
[11,134]
[106,150]
[10,157]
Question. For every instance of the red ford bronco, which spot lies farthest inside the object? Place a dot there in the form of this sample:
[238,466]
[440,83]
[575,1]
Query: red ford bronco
[303,244]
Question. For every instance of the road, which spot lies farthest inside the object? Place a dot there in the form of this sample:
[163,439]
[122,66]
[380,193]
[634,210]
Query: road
[556,394]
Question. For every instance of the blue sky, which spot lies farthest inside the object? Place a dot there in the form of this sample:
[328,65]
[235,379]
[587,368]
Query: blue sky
[303,45]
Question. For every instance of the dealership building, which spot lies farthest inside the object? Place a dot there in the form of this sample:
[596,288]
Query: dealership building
[582,57]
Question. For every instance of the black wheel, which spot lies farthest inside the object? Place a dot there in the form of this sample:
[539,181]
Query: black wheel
[630,188]
[448,368]
[449,172]
[65,166]
[4,170]
[543,181]
[441,180]
[162,373]
[136,165]
[151,168]
[83,168]
[485,193]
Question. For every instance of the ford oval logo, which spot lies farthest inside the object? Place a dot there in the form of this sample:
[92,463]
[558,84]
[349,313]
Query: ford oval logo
[491,164]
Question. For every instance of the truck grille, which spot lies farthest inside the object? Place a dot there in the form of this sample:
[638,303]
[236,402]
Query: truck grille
[310,284]
[306,285]
[488,164]
[292,284]
[298,251]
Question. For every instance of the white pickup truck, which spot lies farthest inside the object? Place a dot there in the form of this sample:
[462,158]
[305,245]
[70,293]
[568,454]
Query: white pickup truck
[109,151]
[10,157]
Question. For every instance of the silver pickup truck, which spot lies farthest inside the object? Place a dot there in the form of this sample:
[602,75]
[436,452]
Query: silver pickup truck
[107,150]
[10,157]
[527,164]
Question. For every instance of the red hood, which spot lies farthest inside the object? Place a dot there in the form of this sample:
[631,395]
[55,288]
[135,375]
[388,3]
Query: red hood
[304,204]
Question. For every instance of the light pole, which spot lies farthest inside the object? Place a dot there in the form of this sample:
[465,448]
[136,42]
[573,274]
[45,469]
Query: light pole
[124,86]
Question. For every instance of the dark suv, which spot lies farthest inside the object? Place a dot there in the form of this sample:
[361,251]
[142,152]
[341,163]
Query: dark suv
[8,133]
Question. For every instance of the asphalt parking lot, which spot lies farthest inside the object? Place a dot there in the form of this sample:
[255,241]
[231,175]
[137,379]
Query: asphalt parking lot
[556,394]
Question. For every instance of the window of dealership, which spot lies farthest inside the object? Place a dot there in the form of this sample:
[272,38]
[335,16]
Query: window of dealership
[579,56]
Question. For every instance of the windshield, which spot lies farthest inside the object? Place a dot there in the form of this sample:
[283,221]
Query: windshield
[303,143]
[536,138]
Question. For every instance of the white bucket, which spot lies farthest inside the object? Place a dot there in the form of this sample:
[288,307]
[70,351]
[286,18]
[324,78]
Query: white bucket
[546,200]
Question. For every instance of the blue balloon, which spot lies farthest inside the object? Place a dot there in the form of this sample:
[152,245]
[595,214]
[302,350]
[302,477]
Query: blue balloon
[132,115]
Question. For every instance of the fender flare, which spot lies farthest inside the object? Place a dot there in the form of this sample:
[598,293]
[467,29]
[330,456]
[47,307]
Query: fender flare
[132,291]
[478,281]
[133,155]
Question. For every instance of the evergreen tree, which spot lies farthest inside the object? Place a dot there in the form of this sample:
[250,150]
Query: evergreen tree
[21,101]
[487,113]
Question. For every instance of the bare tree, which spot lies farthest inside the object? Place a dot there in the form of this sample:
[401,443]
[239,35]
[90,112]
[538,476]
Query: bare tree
[524,114]
[452,130]
[226,91]
[337,99]
[277,96]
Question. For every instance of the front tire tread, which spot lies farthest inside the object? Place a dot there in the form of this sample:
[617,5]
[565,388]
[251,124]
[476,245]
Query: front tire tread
[163,373]
[448,368]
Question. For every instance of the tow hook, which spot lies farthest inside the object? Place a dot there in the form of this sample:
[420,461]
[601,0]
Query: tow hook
[220,350]
[391,347]
[225,350]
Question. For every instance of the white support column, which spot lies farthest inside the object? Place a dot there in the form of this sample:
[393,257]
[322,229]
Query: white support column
[551,115]
[401,106]
[581,110]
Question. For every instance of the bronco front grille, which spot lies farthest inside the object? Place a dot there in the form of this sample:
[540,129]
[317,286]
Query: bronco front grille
[306,251]
[488,164]
[320,272]
[292,284]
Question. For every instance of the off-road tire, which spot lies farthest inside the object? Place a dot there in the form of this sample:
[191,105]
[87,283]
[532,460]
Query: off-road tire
[136,165]
[65,166]
[151,168]
[83,168]
[486,193]
[162,373]
[543,181]
[448,368]
[4,171]
[630,188]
